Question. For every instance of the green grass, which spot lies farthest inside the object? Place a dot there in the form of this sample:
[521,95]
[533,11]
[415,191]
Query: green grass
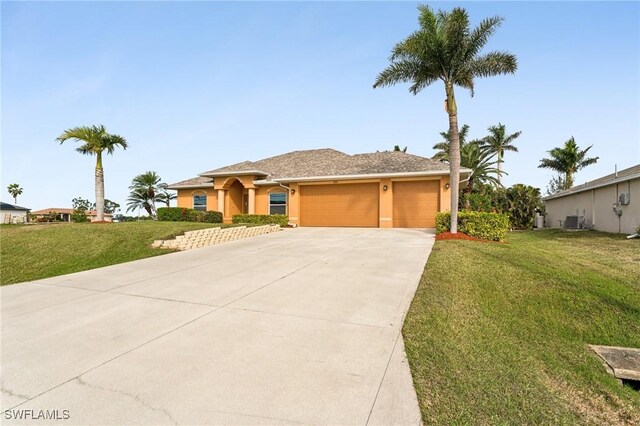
[498,333]
[31,252]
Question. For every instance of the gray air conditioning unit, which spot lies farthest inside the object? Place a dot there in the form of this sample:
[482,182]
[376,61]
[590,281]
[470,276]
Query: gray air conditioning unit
[574,222]
[624,199]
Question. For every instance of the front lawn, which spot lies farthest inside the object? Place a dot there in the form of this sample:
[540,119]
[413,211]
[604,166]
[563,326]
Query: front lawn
[498,333]
[31,252]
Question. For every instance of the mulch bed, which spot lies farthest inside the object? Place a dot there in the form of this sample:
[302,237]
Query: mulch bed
[457,236]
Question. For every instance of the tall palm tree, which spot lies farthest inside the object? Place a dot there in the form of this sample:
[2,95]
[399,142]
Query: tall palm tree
[568,160]
[151,184]
[15,190]
[443,147]
[445,48]
[96,141]
[499,141]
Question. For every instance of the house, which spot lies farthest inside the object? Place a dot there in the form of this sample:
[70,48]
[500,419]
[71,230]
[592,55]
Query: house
[325,187]
[64,214]
[610,203]
[10,213]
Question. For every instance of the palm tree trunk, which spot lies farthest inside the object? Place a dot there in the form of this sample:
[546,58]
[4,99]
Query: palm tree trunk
[99,189]
[15,199]
[454,155]
[499,168]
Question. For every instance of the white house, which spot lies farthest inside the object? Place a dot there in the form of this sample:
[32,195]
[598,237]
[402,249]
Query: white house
[610,204]
[10,213]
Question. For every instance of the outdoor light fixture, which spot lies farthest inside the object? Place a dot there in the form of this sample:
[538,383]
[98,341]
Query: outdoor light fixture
[293,191]
[385,187]
[447,186]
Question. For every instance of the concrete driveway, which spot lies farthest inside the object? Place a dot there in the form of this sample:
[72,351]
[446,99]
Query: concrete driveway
[300,326]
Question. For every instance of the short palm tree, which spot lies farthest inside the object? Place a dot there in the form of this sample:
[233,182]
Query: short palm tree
[446,49]
[478,158]
[442,148]
[166,197]
[96,141]
[139,199]
[15,190]
[499,141]
[151,184]
[568,160]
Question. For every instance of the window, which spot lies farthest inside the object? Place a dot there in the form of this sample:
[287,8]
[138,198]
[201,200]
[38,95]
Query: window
[278,203]
[200,202]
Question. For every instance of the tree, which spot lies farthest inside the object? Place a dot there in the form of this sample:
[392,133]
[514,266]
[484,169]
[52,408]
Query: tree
[443,147]
[396,148]
[15,190]
[445,49]
[166,197]
[479,159]
[151,185]
[139,199]
[568,160]
[556,184]
[498,142]
[81,204]
[110,207]
[96,141]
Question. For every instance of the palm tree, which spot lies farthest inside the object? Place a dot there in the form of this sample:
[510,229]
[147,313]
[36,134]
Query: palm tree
[483,171]
[96,141]
[151,184]
[166,197]
[15,190]
[568,160]
[443,147]
[499,141]
[139,198]
[445,48]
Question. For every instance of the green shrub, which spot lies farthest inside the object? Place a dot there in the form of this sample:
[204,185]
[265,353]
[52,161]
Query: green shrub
[180,214]
[262,219]
[487,226]
[79,216]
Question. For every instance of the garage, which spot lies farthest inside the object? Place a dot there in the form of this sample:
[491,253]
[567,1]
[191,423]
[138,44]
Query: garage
[339,205]
[415,204]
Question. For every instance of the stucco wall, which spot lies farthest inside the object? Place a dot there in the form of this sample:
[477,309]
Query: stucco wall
[597,207]
[185,197]
[21,216]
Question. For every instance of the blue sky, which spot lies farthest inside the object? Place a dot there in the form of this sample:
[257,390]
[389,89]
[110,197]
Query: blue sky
[199,85]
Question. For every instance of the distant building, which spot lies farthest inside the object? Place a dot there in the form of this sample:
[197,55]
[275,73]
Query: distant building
[64,214]
[10,213]
[609,204]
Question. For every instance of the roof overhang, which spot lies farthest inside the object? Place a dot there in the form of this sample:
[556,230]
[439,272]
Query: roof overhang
[587,187]
[362,176]
[236,173]
[176,187]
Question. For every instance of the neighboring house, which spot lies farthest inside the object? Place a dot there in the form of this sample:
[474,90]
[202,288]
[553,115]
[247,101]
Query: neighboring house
[610,204]
[10,213]
[325,187]
[64,214]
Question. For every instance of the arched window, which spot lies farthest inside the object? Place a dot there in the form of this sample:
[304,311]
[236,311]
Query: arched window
[278,202]
[200,201]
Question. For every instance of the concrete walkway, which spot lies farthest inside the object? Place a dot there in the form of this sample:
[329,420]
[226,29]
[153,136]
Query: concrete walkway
[301,326]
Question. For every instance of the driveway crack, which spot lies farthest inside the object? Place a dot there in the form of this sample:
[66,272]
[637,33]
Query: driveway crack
[130,395]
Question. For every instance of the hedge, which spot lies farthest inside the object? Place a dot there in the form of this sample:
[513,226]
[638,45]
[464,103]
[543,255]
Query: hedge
[180,214]
[261,219]
[487,226]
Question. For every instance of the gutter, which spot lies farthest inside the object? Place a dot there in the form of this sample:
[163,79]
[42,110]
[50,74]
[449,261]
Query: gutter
[363,176]
[587,187]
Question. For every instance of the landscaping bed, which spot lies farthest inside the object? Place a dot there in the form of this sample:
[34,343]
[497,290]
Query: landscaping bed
[498,333]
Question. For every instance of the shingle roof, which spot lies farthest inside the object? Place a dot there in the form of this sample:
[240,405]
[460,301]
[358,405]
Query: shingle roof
[327,162]
[7,206]
[192,183]
[622,176]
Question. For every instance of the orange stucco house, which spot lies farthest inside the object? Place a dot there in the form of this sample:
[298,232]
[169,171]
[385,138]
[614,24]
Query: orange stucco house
[325,187]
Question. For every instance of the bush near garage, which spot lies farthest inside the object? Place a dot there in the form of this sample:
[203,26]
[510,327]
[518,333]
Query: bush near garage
[262,219]
[180,214]
[487,226]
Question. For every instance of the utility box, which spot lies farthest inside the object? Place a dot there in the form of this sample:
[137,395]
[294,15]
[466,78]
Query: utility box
[624,198]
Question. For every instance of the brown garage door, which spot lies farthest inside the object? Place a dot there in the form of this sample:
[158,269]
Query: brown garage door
[339,205]
[415,204]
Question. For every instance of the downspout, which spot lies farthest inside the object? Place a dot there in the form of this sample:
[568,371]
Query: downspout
[293,225]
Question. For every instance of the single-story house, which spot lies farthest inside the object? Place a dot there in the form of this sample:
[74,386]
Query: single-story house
[13,214]
[64,214]
[325,187]
[610,203]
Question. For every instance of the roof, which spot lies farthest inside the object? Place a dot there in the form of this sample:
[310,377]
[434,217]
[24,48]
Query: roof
[319,163]
[622,176]
[196,182]
[64,211]
[7,206]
